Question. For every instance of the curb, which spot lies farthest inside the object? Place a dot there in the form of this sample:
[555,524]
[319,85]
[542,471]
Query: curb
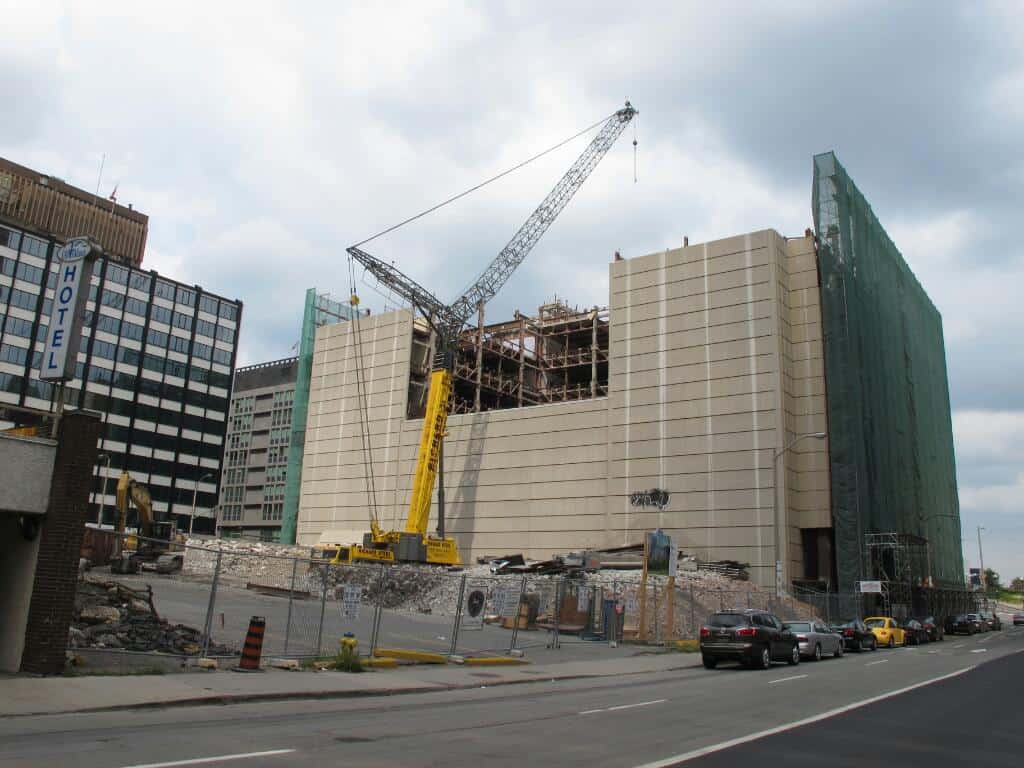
[227,699]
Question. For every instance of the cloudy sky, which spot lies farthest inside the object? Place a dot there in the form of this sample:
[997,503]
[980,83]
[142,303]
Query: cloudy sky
[262,140]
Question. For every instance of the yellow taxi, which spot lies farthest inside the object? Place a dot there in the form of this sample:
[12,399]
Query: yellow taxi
[886,630]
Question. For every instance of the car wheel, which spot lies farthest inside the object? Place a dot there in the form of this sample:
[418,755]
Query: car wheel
[817,653]
[709,663]
[839,650]
[874,644]
[766,658]
[794,656]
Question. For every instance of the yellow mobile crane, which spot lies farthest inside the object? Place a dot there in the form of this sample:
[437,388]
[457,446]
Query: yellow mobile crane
[414,544]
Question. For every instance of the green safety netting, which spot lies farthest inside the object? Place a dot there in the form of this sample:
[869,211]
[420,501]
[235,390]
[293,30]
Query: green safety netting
[890,429]
[319,310]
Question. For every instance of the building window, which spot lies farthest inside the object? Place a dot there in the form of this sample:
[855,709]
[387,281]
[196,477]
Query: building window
[10,238]
[273,511]
[182,321]
[208,304]
[226,334]
[221,356]
[178,344]
[202,351]
[29,273]
[34,246]
[156,338]
[135,306]
[12,354]
[228,311]
[232,512]
[164,290]
[140,281]
[116,274]
[17,326]
[111,299]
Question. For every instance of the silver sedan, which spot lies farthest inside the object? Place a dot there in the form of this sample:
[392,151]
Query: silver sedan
[816,640]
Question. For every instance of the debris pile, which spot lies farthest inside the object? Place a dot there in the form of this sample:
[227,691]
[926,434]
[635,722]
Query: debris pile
[257,562]
[110,615]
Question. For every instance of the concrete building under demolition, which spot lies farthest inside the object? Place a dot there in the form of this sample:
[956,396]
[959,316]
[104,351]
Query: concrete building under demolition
[682,405]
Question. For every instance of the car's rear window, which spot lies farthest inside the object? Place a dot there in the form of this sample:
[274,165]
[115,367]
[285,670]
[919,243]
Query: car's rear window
[800,626]
[727,620]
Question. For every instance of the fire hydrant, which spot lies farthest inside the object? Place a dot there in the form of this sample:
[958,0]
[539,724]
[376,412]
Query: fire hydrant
[348,654]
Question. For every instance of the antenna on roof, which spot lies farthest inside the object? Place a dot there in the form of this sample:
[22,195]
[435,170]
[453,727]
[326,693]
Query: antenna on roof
[99,178]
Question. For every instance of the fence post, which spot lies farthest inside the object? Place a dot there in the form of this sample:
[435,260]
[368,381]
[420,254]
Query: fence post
[291,598]
[519,610]
[208,624]
[558,611]
[458,616]
[379,608]
[323,605]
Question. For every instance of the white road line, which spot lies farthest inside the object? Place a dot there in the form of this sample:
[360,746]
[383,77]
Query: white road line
[217,759]
[872,663]
[687,756]
[980,650]
[621,706]
[959,646]
[784,679]
[641,704]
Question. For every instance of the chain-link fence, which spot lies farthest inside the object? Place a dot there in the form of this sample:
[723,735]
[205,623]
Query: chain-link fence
[413,611]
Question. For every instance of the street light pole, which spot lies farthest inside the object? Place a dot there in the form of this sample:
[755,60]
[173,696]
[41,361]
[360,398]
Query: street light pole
[195,493]
[779,561]
[981,562]
[103,486]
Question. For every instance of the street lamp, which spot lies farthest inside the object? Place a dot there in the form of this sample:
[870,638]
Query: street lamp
[981,562]
[195,492]
[103,491]
[779,563]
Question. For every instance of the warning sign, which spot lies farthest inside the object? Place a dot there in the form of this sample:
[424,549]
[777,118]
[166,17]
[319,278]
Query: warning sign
[473,608]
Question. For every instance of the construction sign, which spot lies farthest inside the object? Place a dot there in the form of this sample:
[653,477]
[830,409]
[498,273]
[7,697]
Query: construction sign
[473,608]
[351,597]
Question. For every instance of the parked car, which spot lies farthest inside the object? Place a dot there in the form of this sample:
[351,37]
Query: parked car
[1018,619]
[963,624]
[979,620]
[816,640]
[915,632]
[991,619]
[887,630]
[856,636]
[933,626]
[753,638]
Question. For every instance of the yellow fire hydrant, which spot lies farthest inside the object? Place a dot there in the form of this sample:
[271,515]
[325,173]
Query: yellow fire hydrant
[348,654]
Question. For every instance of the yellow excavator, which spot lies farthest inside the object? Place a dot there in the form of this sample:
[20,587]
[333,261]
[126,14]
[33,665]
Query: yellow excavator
[151,538]
[414,544]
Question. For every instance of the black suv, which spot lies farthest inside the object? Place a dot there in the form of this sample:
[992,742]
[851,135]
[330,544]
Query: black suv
[856,635]
[754,638]
[992,620]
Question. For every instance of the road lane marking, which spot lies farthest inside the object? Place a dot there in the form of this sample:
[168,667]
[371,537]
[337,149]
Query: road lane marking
[959,646]
[784,679]
[872,663]
[622,706]
[684,757]
[217,759]
[980,650]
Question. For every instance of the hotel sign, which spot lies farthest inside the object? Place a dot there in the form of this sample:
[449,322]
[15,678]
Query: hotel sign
[74,263]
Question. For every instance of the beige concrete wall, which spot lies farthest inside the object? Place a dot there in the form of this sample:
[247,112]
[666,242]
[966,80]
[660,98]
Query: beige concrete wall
[715,356]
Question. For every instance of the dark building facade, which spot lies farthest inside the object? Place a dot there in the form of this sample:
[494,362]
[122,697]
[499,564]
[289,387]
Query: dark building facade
[156,360]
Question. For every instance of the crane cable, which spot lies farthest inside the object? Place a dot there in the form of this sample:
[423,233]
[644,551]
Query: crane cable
[364,417]
[482,184]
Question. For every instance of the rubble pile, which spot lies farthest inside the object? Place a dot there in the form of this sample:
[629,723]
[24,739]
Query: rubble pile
[111,615]
[257,562]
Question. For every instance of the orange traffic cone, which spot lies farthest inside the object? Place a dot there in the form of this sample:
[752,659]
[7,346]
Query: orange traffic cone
[250,661]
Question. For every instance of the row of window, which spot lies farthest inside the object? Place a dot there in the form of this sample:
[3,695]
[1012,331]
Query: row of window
[277,454]
[239,440]
[277,474]
[234,476]
[162,442]
[273,492]
[280,418]
[233,494]
[231,512]
[236,458]
[280,436]
[273,511]
[284,398]
[241,422]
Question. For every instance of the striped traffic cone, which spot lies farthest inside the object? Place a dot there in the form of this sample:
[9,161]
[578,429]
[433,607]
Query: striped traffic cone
[250,661]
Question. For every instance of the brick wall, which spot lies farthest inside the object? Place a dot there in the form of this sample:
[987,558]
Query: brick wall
[53,591]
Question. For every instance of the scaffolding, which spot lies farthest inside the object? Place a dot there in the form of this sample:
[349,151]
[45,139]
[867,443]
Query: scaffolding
[558,355]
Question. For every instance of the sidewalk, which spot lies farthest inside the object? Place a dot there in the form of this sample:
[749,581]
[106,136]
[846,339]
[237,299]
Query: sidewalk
[23,696]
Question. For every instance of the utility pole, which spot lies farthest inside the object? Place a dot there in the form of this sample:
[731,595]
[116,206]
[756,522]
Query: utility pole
[981,561]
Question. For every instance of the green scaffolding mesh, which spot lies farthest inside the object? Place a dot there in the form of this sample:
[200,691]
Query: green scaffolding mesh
[319,310]
[890,429]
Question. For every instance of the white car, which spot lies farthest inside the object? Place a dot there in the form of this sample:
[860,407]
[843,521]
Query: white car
[816,639]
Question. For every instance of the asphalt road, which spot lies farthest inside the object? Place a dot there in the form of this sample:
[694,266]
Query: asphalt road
[966,705]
